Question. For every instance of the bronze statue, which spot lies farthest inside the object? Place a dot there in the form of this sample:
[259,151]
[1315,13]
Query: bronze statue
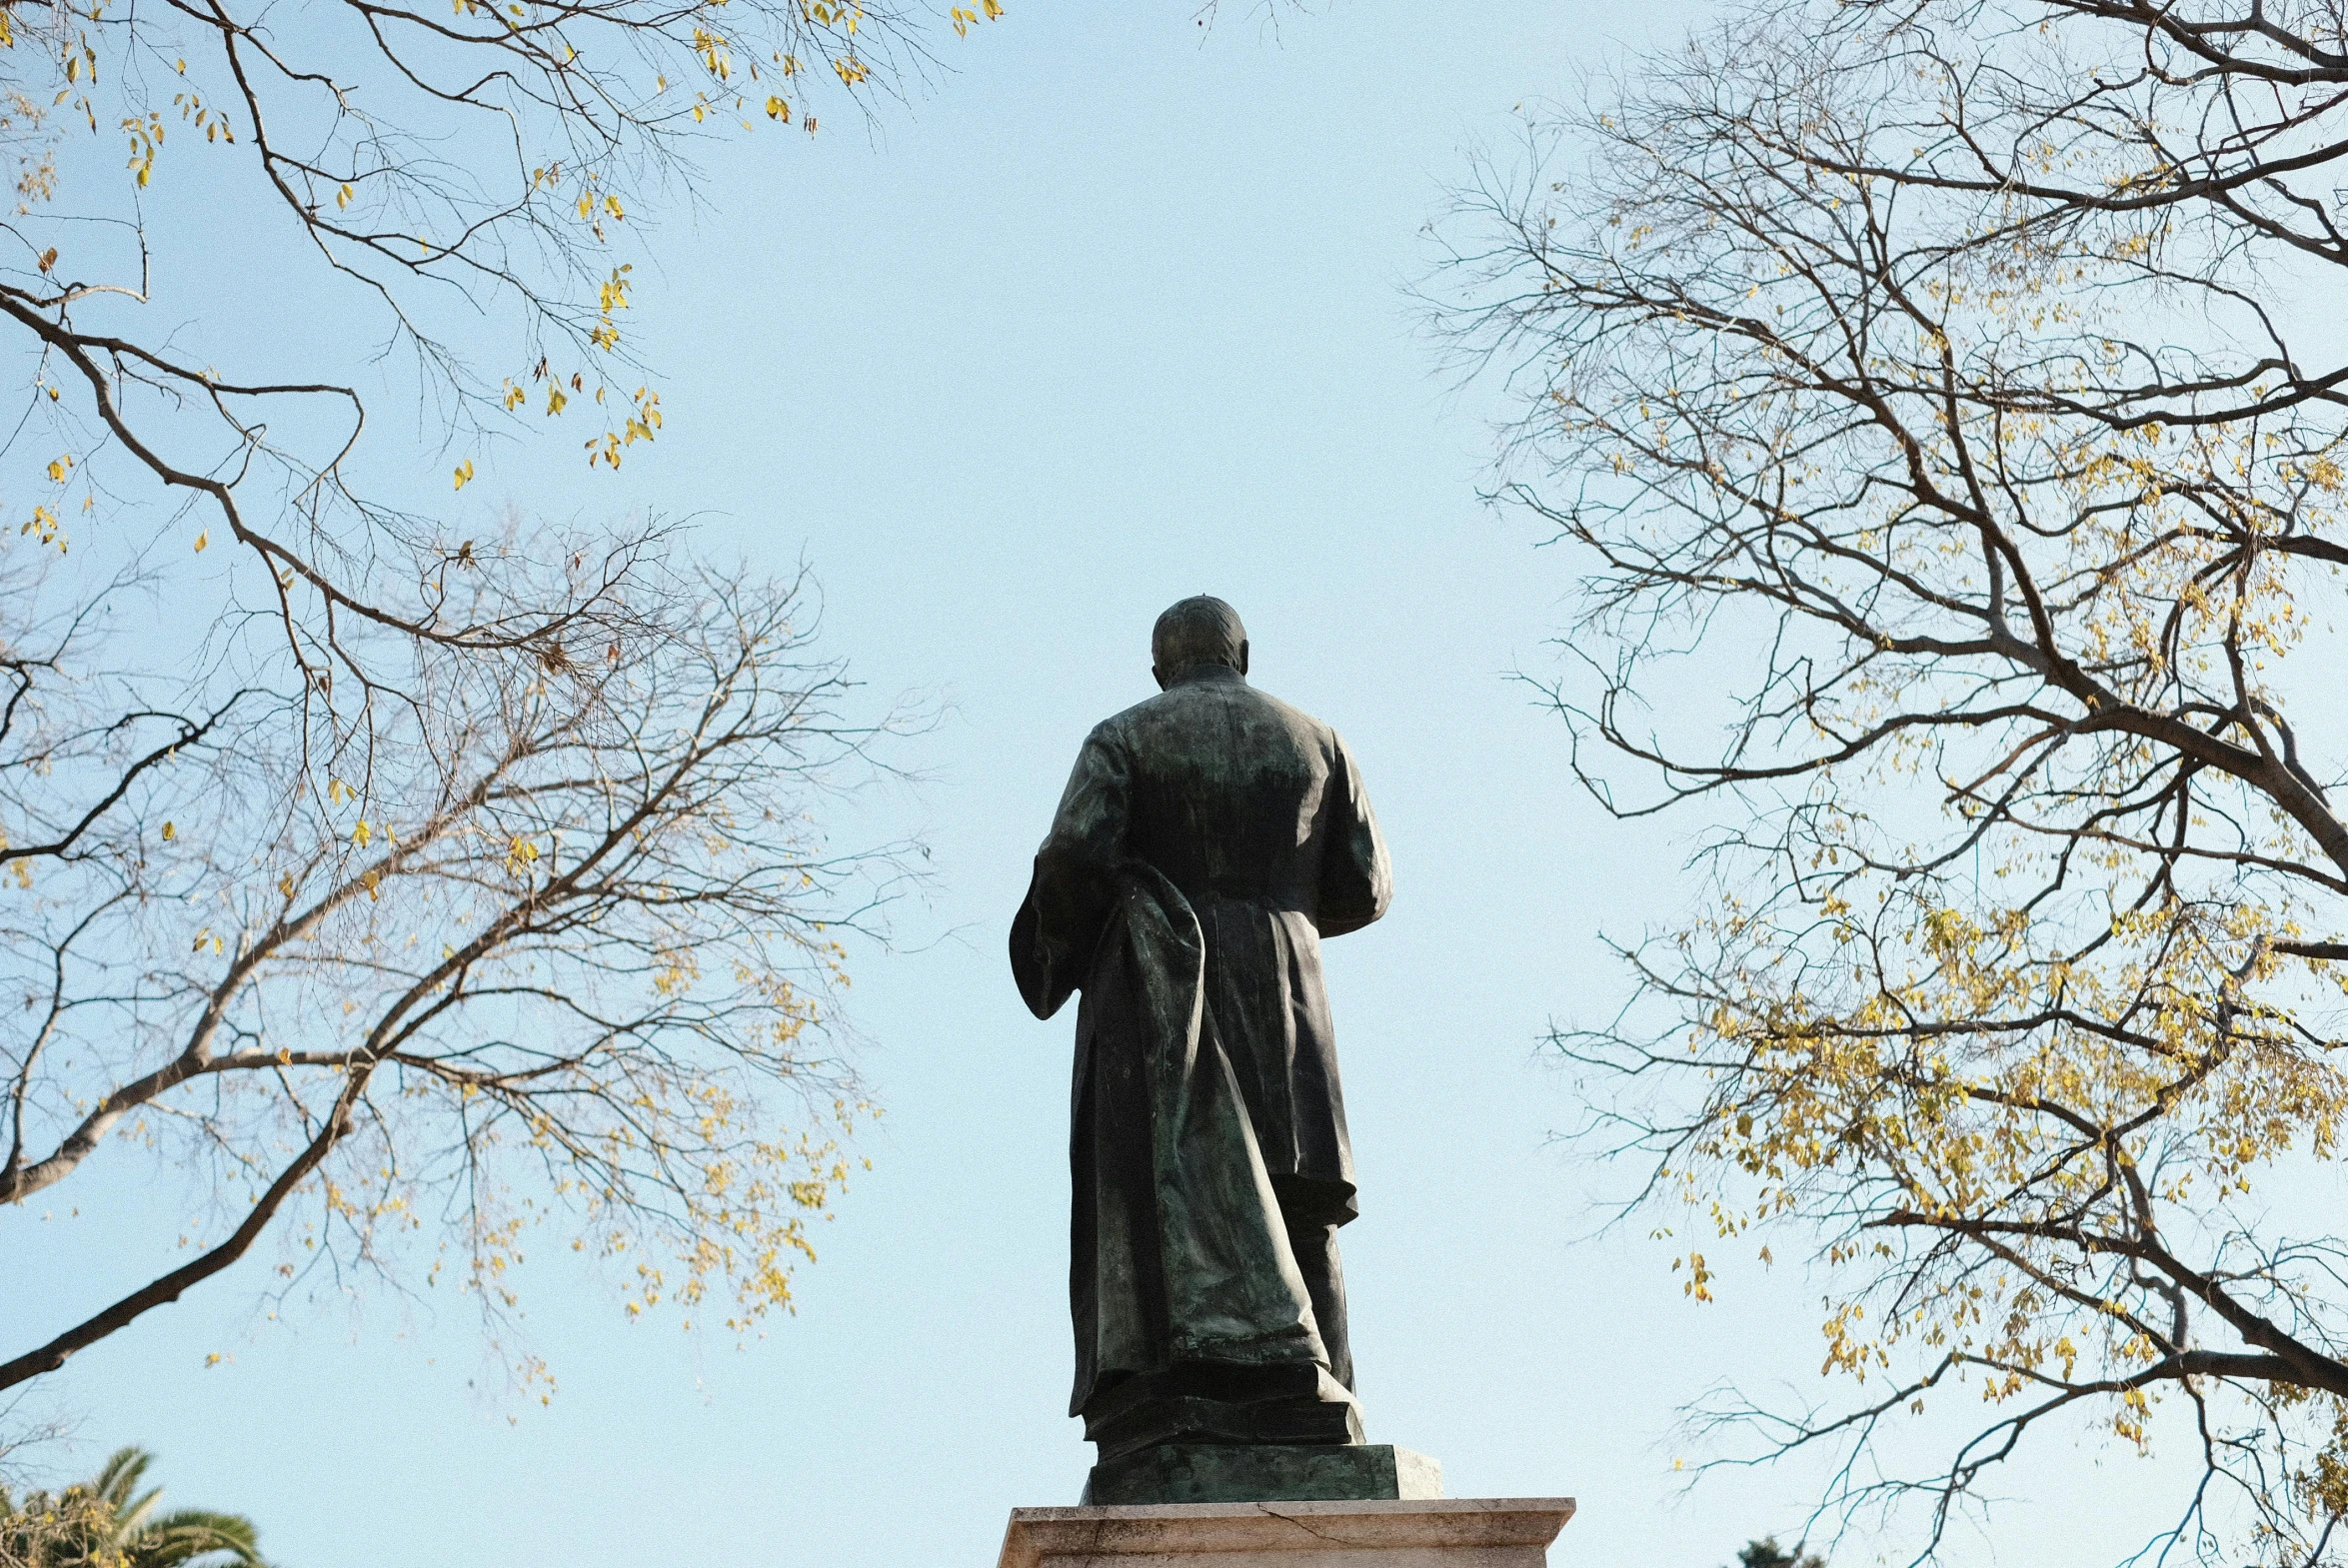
[1207,841]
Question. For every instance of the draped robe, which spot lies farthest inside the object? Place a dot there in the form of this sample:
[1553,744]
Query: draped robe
[1207,842]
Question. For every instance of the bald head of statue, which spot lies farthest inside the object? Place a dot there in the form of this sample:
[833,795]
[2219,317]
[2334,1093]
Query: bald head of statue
[1198,631]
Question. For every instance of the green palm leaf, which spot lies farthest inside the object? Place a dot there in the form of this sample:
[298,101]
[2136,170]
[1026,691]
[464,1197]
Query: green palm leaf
[107,1522]
[188,1534]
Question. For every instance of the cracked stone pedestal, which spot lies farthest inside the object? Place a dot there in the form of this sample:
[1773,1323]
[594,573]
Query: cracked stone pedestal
[1497,1532]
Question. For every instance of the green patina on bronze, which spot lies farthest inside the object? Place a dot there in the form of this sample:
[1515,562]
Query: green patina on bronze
[1207,841]
[1265,1474]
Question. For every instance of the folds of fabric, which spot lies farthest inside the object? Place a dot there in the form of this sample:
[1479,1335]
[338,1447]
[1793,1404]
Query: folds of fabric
[1178,1251]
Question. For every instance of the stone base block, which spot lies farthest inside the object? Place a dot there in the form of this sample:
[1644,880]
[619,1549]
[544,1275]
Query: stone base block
[1265,1474]
[1510,1532]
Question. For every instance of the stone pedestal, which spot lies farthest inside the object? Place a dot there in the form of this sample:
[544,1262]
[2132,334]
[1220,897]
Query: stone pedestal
[1501,1532]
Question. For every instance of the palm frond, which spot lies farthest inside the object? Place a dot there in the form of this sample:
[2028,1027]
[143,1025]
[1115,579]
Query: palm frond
[182,1536]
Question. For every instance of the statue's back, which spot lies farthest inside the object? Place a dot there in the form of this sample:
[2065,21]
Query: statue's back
[1230,790]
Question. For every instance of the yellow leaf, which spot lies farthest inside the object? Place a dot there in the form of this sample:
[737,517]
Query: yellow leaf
[464,473]
[204,538]
[170,832]
[342,198]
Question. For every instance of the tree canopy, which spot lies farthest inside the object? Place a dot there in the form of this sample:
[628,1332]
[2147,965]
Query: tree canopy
[107,1522]
[1766,1553]
[365,861]
[1939,400]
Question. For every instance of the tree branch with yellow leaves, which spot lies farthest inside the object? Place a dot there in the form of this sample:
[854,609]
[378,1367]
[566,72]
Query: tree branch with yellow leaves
[383,871]
[572,949]
[1931,397]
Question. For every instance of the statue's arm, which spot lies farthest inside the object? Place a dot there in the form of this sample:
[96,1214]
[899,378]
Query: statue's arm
[1070,893]
[1357,879]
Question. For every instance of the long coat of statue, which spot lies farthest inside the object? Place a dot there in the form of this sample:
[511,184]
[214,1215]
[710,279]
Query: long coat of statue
[1208,840]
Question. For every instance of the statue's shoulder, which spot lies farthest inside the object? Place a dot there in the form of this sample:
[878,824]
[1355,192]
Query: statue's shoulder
[1118,727]
[1299,725]
[1210,703]
[1131,732]
[1297,720]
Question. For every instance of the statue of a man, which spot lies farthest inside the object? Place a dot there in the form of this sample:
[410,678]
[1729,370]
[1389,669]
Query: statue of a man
[1208,840]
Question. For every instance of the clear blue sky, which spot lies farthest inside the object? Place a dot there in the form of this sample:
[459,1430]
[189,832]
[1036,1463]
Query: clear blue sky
[1112,316]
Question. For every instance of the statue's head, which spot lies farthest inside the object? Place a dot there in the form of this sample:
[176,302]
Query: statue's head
[1199,631]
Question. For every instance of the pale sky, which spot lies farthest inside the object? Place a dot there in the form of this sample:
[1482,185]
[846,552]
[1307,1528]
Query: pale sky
[1112,316]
